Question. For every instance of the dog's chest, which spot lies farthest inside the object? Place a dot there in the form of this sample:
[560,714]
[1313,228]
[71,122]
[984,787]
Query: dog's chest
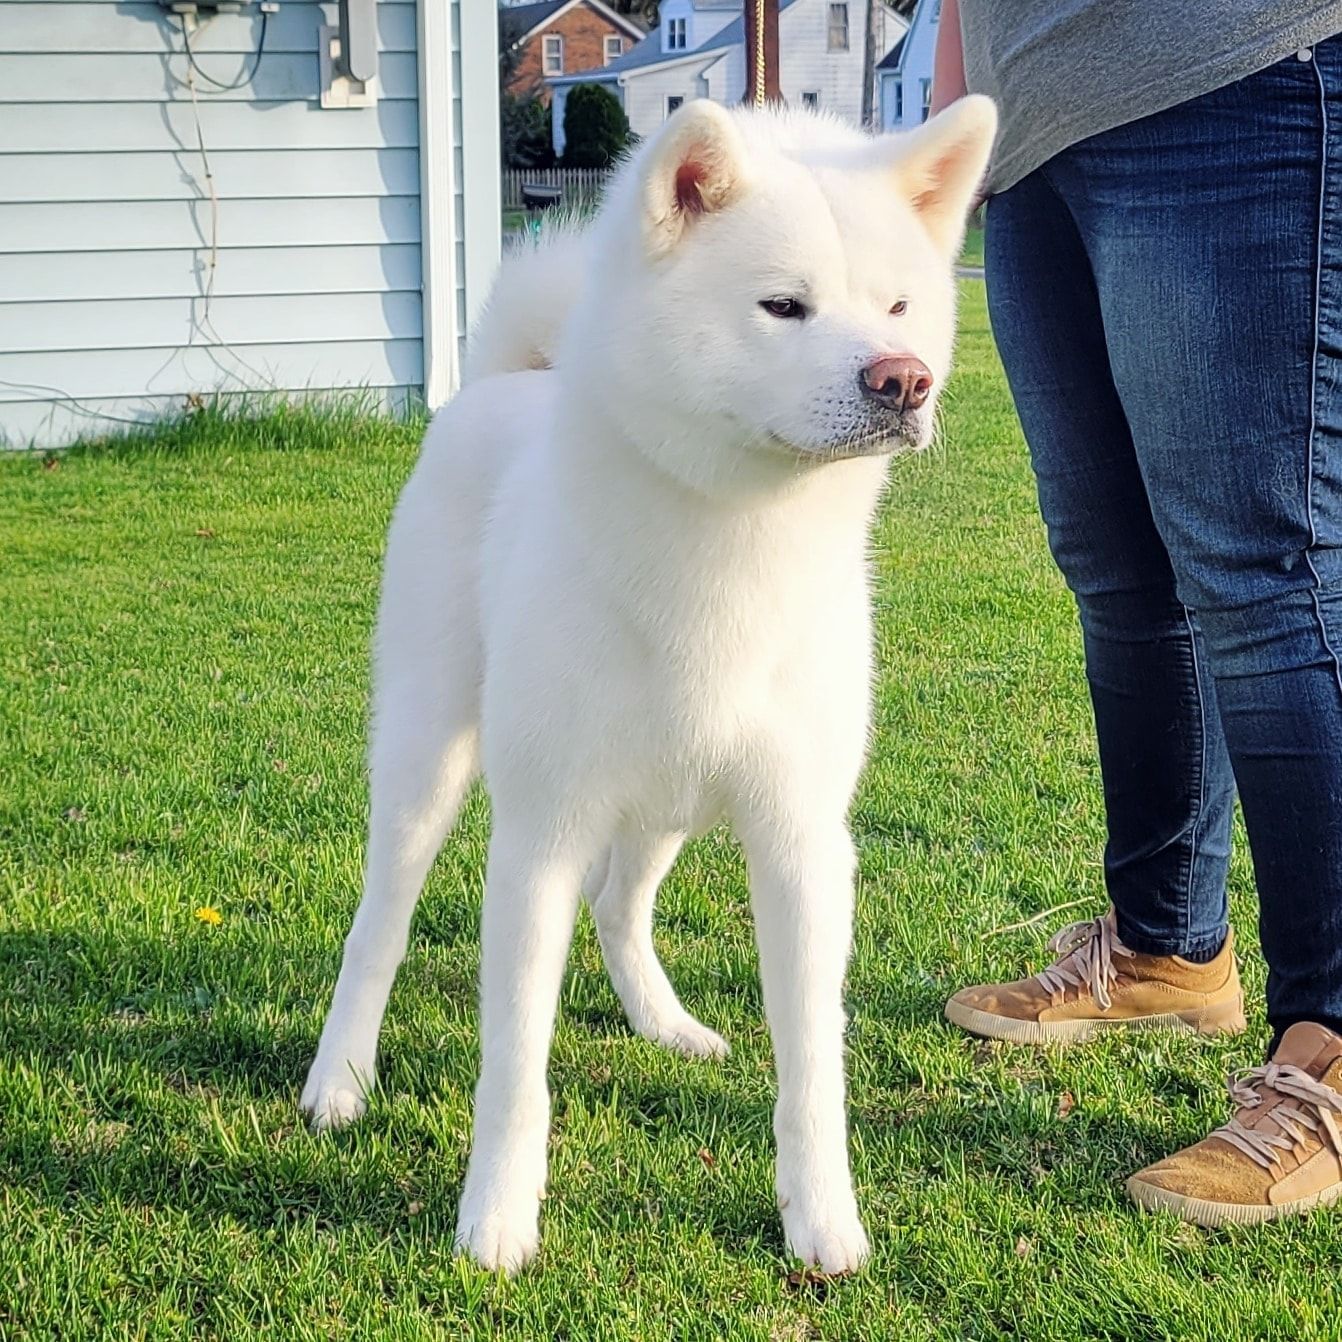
[711,719]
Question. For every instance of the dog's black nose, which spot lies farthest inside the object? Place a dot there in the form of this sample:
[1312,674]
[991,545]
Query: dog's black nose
[897,381]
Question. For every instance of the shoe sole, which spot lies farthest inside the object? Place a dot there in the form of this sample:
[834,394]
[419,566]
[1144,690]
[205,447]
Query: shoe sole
[1227,1018]
[1214,1215]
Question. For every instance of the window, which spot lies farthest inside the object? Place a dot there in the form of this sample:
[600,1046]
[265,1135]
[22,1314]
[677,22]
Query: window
[554,55]
[673,100]
[614,48]
[838,27]
[811,99]
[927,97]
[896,102]
[675,34]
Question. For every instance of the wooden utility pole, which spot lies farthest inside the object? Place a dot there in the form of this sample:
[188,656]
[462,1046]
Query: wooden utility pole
[874,32]
[762,52]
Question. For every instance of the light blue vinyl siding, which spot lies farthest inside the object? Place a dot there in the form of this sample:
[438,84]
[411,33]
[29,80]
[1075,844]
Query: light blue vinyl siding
[102,27]
[106,227]
[250,271]
[268,173]
[49,229]
[91,77]
[71,127]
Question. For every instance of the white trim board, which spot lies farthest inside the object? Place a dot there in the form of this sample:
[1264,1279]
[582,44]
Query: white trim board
[437,203]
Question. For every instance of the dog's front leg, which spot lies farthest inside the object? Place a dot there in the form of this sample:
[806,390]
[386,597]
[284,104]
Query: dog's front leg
[801,876]
[531,896]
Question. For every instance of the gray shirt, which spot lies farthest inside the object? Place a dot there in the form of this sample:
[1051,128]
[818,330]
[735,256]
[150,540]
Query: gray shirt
[1063,70]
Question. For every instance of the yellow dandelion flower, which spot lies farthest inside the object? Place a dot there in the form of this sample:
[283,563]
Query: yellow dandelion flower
[209,915]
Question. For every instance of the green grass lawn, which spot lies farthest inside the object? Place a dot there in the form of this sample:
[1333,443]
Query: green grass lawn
[182,684]
[972,252]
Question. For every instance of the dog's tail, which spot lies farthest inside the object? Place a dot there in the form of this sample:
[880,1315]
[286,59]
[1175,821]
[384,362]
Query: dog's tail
[535,290]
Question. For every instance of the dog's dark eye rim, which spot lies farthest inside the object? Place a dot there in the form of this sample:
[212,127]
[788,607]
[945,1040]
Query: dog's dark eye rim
[790,309]
[899,307]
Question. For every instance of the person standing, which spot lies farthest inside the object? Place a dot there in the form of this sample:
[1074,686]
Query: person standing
[1163,257]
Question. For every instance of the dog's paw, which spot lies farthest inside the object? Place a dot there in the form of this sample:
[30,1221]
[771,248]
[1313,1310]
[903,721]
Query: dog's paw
[688,1037]
[834,1243]
[499,1236]
[332,1097]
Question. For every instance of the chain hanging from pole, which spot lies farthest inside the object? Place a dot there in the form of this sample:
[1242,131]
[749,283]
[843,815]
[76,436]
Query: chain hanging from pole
[759,53]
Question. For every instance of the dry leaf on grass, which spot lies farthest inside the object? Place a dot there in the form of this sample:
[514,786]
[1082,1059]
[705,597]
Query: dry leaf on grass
[810,1279]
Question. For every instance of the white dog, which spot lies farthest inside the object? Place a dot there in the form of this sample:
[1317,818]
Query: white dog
[629,585]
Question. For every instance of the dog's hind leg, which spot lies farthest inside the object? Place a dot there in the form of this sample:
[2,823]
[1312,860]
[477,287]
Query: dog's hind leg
[622,892]
[423,756]
[419,778]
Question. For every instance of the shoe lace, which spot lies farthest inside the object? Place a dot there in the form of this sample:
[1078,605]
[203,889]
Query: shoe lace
[1085,952]
[1314,1111]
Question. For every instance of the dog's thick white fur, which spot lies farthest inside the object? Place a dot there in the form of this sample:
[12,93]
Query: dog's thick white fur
[631,589]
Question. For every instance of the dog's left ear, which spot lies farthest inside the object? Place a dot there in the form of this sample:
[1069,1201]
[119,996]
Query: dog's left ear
[939,166]
[694,168]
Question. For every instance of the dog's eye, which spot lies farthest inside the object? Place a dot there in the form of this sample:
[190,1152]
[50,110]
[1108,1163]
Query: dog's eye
[900,308]
[787,308]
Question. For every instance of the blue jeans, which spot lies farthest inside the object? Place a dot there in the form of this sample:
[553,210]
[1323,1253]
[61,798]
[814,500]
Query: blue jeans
[1167,300]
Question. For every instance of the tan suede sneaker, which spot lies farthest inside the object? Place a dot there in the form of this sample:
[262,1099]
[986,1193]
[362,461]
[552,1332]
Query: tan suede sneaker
[1281,1153]
[1096,984]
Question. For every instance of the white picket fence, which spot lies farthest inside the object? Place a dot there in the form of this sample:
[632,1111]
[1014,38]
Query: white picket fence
[582,187]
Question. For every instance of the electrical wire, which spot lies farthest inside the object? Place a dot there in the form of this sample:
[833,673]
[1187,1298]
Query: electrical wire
[204,321]
[246,77]
[213,261]
[75,404]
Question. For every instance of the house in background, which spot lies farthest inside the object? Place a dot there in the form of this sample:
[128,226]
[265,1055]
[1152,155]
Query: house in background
[904,76]
[698,51]
[342,236]
[554,37]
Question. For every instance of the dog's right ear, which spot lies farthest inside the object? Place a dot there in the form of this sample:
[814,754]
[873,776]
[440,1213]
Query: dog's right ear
[694,168]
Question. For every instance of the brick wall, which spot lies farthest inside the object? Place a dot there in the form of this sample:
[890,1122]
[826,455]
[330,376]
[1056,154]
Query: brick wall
[584,32]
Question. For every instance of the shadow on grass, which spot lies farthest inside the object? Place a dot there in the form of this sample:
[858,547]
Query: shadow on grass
[190,1010]
[95,1012]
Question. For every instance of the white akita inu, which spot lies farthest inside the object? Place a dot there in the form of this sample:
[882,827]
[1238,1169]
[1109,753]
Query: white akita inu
[629,585]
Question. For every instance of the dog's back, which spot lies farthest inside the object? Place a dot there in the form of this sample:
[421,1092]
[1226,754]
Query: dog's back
[428,638]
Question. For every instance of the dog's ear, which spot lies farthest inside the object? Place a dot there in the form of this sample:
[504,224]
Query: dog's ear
[940,165]
[694,167]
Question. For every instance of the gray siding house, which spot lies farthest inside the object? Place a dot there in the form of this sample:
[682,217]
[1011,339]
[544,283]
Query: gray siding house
[214,208]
